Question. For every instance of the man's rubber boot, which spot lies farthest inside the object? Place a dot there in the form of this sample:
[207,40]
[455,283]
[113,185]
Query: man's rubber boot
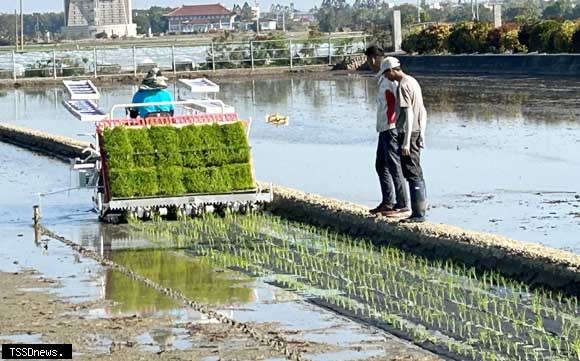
[418,202]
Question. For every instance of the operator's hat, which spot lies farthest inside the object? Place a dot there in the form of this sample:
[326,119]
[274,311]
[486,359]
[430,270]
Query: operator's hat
[154,80]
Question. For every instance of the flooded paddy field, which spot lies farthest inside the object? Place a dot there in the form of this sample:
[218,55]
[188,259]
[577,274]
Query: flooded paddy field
[500,154]
[501,157]
[54,295]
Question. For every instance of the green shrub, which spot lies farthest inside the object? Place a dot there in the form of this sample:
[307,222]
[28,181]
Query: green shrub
[561,39]
[143,152]
[525,31]
[433,39]
[409,44]
[468,37]
[576,41]
[169,180]
[540,35]
[504,39]
[165,140]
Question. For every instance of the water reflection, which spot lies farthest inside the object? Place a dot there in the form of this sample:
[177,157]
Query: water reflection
[195,277]
[345,101]
[484,135]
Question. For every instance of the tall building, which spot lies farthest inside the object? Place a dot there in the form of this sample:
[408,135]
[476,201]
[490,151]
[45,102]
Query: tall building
[86,18]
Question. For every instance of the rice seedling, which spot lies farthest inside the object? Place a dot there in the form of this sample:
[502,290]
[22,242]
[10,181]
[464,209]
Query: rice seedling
[475,316]
[165,160]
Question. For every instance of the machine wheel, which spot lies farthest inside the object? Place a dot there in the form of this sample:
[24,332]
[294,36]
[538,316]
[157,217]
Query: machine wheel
[113,218]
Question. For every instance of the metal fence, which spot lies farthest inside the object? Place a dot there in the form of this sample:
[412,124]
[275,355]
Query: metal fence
[138,59]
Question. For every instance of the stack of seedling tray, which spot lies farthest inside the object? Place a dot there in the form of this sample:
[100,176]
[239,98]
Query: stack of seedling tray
[173,161]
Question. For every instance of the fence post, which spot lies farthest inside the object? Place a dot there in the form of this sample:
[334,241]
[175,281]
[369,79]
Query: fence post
[134,61]
[54,64]
[290,48]
[212,57]
[14,64]
[330,50]
[173,59]
[95,73]
[252,53]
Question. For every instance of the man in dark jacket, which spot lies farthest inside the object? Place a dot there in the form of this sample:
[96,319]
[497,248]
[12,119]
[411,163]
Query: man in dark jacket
[388,163]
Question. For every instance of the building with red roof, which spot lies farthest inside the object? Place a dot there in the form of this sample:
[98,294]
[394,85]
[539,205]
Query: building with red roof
[200,18]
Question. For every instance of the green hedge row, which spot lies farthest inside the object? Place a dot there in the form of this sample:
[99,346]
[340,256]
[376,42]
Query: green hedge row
[548,36]
[165,160]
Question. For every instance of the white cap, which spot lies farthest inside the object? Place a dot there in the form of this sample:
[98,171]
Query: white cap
[388,63]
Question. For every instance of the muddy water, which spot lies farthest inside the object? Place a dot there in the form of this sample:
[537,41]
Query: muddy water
[501,156]
[80,280]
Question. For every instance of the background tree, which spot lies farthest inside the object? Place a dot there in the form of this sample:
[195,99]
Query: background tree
[468,37]
[246,12]
[522,13]
[557,10]
[153,17]
[34,25]
[540,35]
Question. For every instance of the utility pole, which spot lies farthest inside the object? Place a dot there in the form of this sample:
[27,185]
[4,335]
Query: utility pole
[257,6]
[284,20]
[21,27]
[16,37]
[37,29]
[418,11]
[476,10]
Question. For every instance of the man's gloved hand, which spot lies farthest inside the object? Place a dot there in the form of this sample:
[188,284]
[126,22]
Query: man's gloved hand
[405,152]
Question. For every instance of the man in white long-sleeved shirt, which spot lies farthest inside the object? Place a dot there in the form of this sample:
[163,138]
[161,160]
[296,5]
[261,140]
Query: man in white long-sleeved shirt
[411,124]
[388,163]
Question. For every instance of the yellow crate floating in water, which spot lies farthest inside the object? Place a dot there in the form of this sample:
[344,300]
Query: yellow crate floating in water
[276,119]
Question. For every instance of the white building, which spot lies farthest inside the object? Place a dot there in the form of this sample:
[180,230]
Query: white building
[268,24]
[200,18]
[86,18]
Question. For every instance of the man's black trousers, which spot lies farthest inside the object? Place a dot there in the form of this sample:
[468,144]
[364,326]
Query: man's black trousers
[411,165]
[388,166]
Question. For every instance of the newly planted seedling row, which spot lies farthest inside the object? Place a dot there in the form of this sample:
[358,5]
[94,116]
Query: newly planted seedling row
[473,315]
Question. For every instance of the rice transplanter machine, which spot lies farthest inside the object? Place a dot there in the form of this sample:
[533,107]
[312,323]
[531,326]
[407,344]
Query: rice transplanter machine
[194,106]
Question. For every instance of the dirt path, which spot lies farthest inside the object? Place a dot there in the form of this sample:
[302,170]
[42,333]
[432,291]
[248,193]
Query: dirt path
[29,312]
